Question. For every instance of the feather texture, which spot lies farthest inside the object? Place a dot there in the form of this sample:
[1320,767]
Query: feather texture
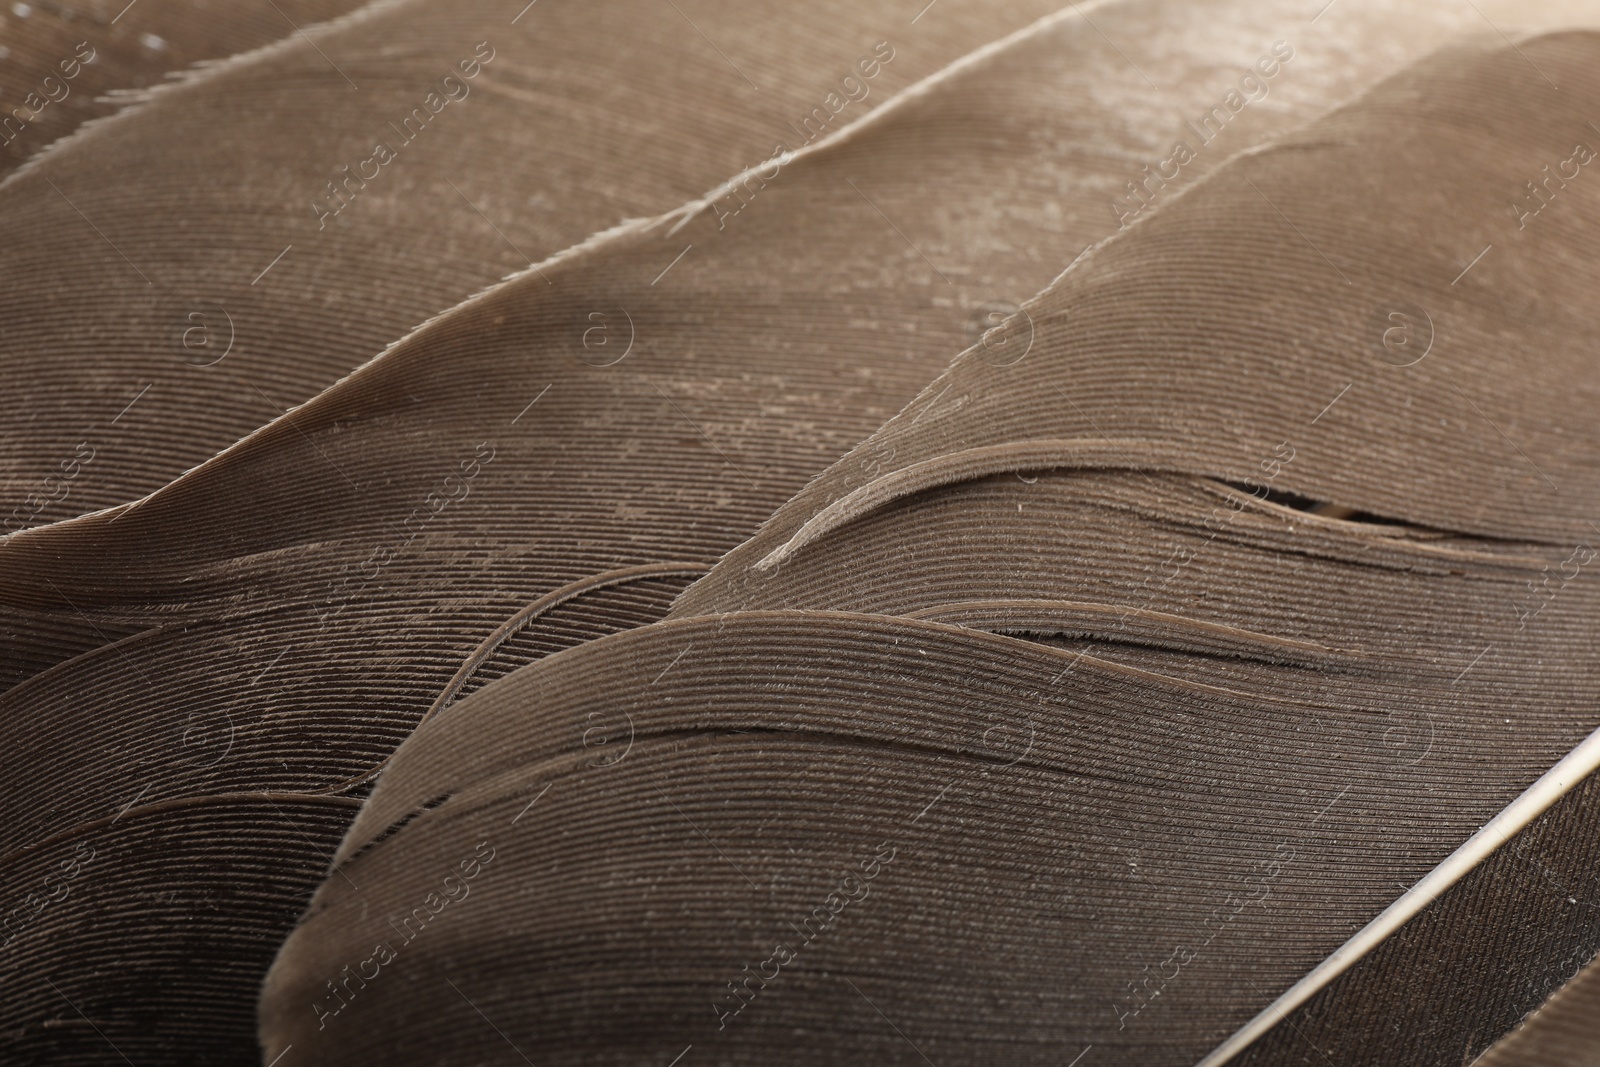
[1563,1031]
[255,231]
[1221,596]
[60,67]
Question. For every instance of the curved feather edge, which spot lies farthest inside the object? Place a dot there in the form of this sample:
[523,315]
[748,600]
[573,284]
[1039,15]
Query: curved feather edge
[133,101]
[675,218]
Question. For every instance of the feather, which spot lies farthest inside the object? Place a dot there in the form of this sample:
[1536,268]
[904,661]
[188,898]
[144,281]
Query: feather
[254,231]
[61,68]
[1562,1032]
[1126,844]
[282,617]
[1575,767]
[1471,964]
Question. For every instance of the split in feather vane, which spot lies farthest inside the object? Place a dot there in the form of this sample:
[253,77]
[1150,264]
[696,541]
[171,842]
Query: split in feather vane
[806,379]
[288,612]
[1248,645]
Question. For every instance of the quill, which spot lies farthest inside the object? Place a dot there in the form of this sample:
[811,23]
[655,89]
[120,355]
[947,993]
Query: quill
[1472,963]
